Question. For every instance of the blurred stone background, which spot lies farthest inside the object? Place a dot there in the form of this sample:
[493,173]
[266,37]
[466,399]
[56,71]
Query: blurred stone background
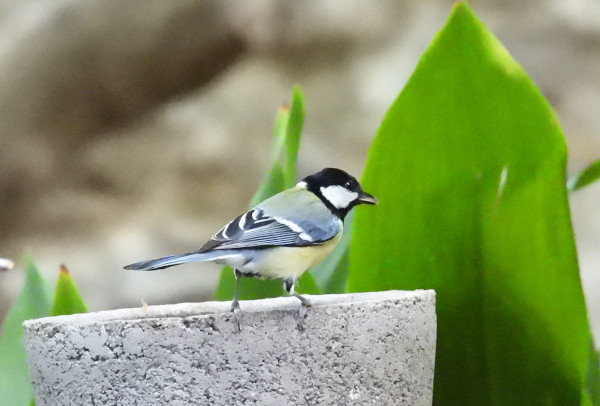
[130,130]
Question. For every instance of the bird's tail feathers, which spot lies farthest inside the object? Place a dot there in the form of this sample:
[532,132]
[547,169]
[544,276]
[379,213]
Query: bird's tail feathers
[173,260]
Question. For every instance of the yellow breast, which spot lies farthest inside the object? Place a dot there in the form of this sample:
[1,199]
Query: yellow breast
[284,262]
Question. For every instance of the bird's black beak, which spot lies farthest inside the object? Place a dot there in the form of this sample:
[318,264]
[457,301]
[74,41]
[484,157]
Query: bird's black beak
[366,198]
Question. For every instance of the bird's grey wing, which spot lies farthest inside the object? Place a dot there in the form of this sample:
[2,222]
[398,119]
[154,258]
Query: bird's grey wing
[256,228]
[306,211]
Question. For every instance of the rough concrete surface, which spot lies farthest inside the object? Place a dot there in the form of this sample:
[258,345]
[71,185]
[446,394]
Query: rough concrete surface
[358,349]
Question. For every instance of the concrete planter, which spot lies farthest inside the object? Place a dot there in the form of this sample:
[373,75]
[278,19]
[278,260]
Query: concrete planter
[367,348]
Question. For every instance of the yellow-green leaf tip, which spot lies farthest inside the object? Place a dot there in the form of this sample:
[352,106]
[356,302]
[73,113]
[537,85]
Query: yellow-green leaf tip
[461,6]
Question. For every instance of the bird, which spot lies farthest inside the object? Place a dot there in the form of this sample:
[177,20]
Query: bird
[281,237]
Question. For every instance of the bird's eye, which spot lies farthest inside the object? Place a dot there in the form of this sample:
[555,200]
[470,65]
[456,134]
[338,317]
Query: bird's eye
[349,184]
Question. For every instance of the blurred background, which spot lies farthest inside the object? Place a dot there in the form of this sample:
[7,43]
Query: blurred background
[132,130]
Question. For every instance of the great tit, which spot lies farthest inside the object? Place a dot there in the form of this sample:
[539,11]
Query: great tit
[281,237]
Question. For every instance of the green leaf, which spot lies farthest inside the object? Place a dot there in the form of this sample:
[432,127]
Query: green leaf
[292,138]
[66,296]
[274,181]
[281,175]
[33,302]
[585,178]
[469,169]
[272,185]
[592,383]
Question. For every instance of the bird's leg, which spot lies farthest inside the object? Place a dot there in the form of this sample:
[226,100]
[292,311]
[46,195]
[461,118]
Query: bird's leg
[305,301]
[288,285]
[305,304]
[235,304]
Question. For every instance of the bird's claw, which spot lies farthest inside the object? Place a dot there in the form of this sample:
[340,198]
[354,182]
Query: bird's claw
[302,310]
[237,312]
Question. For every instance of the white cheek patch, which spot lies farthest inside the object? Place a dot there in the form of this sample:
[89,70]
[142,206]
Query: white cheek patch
[339,196]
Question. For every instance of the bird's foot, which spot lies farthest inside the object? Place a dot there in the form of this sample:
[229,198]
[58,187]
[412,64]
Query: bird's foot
[305,304]
[237,313]
[302,310]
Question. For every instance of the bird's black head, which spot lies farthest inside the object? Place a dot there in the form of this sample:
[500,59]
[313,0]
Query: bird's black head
[338,190]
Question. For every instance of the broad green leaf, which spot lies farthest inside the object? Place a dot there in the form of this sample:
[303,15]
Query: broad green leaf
[592,384]
[469,169]
[281,175]
[33,302]
[66,295]
[585,178]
